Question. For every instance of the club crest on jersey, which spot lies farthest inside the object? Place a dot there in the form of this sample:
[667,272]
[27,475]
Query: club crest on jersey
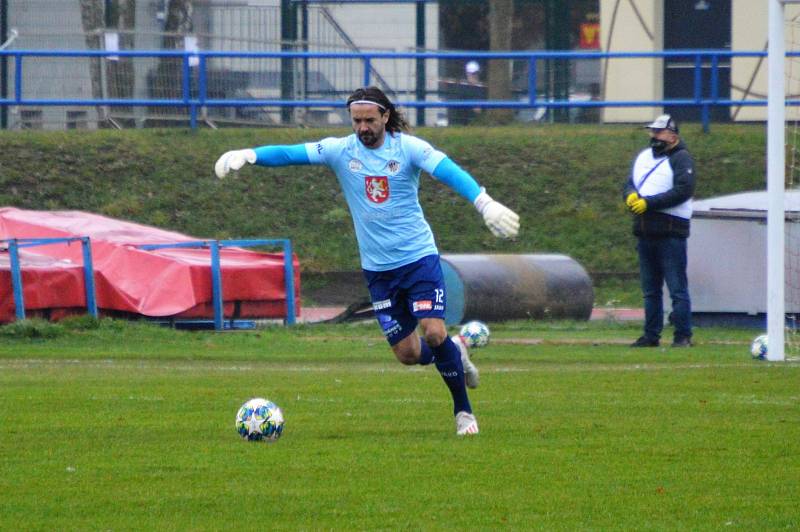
[393,167]
[377,188]
[355,165]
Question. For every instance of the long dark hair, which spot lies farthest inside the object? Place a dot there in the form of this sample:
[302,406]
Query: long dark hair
[397,121]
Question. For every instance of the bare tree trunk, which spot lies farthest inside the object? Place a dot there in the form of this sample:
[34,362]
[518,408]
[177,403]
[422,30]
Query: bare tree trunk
[501,14]
[92,22]
[169,73]
[179,20]
[120,78]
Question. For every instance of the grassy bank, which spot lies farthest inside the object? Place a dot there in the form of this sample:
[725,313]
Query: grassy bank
[563,180]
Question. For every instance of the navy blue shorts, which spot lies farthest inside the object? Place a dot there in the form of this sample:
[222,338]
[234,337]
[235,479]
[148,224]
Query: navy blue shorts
[403,296]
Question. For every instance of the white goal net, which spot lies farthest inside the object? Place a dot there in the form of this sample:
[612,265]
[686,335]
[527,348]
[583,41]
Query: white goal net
[783,181]
[791,26]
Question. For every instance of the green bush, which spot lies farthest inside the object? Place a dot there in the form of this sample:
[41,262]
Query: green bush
[34,328]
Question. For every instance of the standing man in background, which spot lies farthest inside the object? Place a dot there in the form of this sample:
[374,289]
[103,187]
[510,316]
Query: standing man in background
[659,193]
[378,168]
[472,70]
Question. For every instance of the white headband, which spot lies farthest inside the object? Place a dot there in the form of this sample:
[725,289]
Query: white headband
[382,108]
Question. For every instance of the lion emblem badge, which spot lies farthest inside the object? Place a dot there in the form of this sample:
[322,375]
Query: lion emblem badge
[377,188]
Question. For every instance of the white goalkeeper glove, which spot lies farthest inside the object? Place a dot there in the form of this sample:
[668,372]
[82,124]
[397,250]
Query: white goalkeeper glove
[233,160]
[502,221]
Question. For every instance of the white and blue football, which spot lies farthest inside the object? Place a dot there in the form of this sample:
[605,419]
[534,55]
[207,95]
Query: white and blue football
[259,420]
[475,334]
[758,349]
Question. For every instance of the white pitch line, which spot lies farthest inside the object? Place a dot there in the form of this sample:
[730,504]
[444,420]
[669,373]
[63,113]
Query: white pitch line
[366,367]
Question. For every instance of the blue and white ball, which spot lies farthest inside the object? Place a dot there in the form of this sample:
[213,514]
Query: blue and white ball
[759,347]
[475,333]
[259,420]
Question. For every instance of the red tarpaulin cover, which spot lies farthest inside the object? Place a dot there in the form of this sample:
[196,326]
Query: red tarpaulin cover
[158,283]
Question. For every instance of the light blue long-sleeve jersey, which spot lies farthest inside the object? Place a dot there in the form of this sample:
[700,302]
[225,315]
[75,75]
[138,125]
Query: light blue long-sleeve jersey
[381,188]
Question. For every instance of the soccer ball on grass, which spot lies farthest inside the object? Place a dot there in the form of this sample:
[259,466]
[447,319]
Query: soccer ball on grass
[475,333]
[759,347]
[259,420]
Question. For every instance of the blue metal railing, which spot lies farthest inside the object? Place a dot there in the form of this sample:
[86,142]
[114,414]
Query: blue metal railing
[200,99]
[14,244]
[216,271]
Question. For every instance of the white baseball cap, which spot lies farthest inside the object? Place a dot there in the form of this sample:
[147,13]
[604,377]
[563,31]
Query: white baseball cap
[472,67]
[663,122]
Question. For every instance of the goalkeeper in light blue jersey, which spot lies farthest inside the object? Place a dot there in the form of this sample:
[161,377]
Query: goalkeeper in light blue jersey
[378,168]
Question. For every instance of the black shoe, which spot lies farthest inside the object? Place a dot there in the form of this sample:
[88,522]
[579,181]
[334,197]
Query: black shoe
[682,342]
[644,341]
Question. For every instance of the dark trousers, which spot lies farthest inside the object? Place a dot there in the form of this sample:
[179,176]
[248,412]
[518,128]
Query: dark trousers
[664,260]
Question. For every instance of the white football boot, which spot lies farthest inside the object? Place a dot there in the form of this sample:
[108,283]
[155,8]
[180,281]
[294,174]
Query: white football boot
[466,424]
[470,371]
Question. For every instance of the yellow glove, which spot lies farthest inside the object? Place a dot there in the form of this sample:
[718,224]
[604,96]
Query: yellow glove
[632,197]
[639,206]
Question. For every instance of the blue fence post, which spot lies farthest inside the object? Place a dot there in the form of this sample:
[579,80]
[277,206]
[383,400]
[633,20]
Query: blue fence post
[201,81]
[715,78]
[532,81]
[17,78]
[698,90]
[706,116]
[367,68]
[88,276]
[216,286]
[16,279]
[288,276]
[186,87]
[698,80]
[186,79]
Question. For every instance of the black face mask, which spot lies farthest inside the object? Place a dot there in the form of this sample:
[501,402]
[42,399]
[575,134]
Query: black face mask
[659,146]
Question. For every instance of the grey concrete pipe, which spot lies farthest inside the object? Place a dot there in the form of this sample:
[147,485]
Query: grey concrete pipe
[509,287]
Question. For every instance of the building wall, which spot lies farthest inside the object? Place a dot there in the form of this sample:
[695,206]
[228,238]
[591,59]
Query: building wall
[639,79]
[749,75]
[623,29]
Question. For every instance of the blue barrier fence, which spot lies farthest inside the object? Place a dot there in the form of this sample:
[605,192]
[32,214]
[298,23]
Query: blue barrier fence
[216,272]
[14,244]
[194,92]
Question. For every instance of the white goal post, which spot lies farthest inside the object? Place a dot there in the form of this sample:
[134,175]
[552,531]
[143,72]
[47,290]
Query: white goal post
[776,176]
[776,182]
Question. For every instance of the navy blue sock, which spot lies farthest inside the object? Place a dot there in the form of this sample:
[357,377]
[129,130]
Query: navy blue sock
[448,362]
[426,355]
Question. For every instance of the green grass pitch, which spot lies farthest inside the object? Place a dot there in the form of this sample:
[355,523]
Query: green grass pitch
[112,426]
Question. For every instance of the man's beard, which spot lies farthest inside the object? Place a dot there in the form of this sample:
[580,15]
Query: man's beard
[368,138]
